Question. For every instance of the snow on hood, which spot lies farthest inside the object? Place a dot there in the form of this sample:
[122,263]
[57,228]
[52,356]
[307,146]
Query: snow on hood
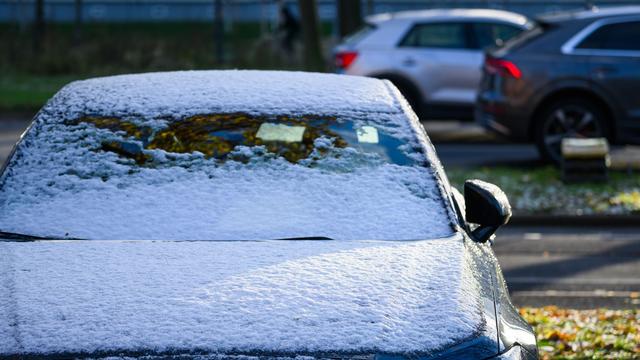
[274,296]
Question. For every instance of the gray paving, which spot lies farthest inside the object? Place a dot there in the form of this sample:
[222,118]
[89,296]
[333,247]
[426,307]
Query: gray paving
[464,144]
[578,267]
[10,131]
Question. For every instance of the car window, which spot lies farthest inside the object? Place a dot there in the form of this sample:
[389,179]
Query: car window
[437,35]
[218,136]
[222,176]
[533,32]
[619,36]
[493,35]
[359,34]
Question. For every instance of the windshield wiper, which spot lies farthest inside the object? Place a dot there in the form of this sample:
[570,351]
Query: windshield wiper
[307,238]
[26,237]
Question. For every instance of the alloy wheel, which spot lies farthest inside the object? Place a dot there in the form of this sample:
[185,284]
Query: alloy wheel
[569,121]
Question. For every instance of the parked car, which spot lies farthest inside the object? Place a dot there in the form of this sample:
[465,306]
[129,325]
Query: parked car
[225,214]
[433,56]
[575,75]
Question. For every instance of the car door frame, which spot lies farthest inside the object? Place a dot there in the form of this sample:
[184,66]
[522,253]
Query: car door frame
[438,107]
[569,47]
[623,119]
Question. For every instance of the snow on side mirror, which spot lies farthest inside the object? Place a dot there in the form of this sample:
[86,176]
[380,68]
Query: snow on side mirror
[487,206]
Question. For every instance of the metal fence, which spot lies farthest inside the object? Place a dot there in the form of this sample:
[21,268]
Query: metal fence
[22,11]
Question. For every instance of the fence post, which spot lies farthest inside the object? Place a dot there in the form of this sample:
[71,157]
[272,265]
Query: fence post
[77,28]
[218,31]
[38,31]
[311,35]
[349,16]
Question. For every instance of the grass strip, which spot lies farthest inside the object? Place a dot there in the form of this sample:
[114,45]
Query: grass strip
[539,191]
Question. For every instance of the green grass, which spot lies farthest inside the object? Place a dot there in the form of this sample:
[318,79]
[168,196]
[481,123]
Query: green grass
[585,334]
[29,92]
[31,75]
[539,190]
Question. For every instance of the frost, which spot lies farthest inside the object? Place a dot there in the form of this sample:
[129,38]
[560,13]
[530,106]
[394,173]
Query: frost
[275,296]
[93,168]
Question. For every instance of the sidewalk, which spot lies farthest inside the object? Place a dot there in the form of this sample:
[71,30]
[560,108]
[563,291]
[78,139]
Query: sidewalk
[575,267]
[452,131]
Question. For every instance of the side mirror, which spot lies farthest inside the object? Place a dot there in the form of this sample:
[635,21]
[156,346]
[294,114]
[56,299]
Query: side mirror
[487,206]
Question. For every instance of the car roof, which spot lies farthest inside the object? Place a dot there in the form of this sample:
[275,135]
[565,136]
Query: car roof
[451,14]
[594,13]
[186,93]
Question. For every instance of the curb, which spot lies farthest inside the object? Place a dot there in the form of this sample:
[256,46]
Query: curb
[576,220]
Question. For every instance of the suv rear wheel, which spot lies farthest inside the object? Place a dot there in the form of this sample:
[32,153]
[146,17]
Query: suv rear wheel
[567,118]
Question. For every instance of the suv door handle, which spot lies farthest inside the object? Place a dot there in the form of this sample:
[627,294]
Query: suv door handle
[409,61]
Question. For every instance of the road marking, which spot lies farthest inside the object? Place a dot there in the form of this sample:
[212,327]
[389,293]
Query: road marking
[625,236]
[581,281]
[533,236]
[577,293]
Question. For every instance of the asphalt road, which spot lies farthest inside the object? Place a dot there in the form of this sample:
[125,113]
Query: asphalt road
[466,144]
[481,154]
[10,130]
[584,267]
[577,267]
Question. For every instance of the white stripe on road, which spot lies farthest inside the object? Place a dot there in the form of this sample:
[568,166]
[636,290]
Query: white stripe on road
[533,236]
[578,293]
[578,281]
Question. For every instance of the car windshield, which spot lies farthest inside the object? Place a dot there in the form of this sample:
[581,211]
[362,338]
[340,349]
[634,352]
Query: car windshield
[234,176]
[359,34]
[533,30]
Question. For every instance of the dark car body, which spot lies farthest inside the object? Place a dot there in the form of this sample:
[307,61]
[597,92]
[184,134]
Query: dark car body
[588,60]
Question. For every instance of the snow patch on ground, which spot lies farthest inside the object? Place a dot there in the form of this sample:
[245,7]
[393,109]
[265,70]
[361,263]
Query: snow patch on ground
[280,296]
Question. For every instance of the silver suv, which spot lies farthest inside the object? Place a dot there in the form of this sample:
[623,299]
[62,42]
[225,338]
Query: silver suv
[433,56]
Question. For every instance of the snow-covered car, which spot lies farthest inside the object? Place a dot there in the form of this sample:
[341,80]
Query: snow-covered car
[245,215]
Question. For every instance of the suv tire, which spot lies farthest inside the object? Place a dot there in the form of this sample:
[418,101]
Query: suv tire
[569,117]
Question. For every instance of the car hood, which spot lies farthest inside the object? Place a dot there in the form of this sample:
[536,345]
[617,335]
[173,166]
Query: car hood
[265,297]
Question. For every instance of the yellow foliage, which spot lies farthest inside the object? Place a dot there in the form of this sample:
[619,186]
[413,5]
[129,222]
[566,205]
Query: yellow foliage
[216,135]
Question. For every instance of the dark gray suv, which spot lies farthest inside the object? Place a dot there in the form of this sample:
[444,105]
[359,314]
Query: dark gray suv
[576,74]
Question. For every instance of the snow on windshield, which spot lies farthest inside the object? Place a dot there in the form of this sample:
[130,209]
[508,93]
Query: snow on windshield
[221,176]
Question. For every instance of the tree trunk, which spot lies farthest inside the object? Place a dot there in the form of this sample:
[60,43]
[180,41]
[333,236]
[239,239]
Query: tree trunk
[38,29]
[218,24]
[77,26]
[313,60]
[349,16]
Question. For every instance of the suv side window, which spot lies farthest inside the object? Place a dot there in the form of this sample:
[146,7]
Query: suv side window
[437,35]
[618,36]
[490,34]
